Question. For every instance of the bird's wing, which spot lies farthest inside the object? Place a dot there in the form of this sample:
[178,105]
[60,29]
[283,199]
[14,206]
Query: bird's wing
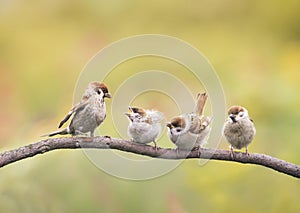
[200,102]
[200,124]
[76,108]
[156,116]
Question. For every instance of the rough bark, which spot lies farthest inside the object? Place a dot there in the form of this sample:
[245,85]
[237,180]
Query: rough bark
[47,145]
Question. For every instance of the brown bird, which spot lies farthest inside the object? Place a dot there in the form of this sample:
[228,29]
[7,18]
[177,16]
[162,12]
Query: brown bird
[88,114]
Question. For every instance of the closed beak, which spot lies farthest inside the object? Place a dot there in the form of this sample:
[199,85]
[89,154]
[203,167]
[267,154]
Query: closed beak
[169,125]
[232,117]
[108,95]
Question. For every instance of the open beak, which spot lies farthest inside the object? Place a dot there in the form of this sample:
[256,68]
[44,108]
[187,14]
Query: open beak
[129,116]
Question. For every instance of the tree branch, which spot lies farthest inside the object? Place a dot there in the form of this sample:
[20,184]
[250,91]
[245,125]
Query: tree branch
[47,145]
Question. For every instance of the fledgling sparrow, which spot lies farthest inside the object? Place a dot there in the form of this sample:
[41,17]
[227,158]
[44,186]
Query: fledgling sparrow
[144,125]
[88,114]
[190,131]
[239,128]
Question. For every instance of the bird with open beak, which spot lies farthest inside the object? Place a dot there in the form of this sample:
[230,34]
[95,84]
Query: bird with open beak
[144,125]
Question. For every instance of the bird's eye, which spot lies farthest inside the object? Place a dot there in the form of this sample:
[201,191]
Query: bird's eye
[137,116]
[177,130]
[98,91]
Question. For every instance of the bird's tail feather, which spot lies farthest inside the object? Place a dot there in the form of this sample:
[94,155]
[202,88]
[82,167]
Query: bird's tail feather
[59,132]
[200,102]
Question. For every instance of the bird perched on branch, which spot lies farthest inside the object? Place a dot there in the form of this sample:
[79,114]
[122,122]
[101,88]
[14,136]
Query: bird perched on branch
[190,131]
[88,114]
[239,128]
[144,125]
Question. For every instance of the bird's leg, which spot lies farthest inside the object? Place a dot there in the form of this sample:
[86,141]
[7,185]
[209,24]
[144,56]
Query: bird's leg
[177,151]
[231,152]
[248,154]
[155,145]
[199,151]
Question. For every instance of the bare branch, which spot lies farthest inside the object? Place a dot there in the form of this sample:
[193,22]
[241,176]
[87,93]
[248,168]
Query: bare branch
[47,145]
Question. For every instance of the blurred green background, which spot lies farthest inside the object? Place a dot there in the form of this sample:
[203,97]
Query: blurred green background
[254,47]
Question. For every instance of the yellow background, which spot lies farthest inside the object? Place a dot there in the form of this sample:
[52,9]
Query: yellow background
[254,47]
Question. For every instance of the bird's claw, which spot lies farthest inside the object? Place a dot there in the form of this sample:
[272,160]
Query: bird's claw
[155,146]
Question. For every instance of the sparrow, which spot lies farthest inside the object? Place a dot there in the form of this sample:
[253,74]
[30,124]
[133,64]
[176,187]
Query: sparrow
[144,125]
[88,114]
[190,131]
[239,128]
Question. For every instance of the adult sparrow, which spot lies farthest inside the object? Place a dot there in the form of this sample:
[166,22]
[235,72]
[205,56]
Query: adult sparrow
[88,114]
